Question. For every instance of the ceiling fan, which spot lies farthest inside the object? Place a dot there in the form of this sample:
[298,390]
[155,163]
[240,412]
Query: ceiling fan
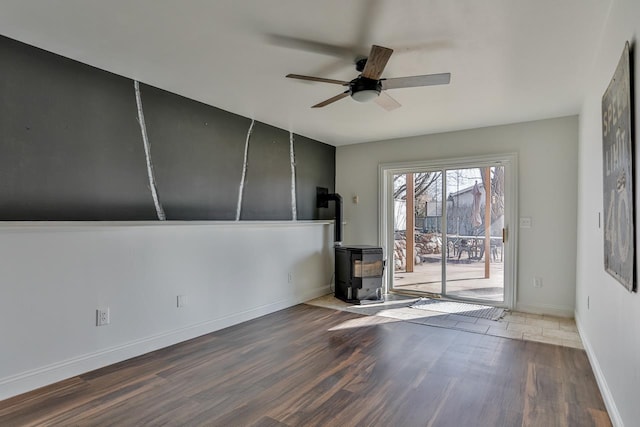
[370,86]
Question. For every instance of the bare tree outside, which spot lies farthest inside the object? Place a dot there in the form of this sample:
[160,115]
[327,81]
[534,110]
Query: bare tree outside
[425,187]
[423,181]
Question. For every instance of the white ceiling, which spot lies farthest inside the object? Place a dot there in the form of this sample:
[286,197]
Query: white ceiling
[510,60]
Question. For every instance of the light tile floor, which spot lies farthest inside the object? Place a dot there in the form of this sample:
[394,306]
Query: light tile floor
[516,325]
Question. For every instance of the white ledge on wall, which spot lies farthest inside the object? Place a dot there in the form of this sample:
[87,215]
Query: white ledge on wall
[79,225]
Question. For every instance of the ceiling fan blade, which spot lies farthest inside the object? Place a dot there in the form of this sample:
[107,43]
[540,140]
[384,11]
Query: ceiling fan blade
[317,79]
[311,46]
[331,100]
[377,60]
[415,81]
[387,102]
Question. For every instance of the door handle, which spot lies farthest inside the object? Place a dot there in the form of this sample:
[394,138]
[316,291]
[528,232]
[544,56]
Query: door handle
[504,235]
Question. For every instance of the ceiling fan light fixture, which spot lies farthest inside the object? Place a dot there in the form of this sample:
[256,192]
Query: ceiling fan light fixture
[364,89]
[365,95]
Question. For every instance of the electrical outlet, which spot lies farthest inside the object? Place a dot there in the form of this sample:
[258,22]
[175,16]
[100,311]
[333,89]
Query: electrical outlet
[181,301]
[537,282]
[102,317]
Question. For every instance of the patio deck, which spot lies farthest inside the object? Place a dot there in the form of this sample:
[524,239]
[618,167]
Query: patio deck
[465,279]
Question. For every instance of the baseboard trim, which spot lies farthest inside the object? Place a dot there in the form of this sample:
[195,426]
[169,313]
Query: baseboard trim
[609,402]
[30,380]
[552,310]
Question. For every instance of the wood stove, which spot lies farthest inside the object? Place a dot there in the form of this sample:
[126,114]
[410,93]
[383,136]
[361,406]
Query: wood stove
[359,271]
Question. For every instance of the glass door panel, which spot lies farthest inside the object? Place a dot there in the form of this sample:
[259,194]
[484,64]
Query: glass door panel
[448,227]
[475,219]
[418,238]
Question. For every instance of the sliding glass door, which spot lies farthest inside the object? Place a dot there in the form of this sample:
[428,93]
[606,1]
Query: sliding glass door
[444,227]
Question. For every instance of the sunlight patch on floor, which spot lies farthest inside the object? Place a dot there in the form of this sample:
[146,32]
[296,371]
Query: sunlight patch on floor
[515,325]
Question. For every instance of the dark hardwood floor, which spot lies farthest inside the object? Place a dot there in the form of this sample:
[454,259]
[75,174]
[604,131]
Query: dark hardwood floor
[308,366]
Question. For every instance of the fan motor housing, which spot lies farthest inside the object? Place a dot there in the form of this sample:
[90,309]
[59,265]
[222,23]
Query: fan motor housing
[360,63]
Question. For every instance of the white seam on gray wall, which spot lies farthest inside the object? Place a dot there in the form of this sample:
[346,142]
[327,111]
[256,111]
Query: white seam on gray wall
[147,153]
[294,211]
[244,171]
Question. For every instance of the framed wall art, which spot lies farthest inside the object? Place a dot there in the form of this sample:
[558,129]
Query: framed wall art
[617,153]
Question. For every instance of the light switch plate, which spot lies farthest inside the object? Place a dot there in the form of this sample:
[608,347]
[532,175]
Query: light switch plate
[181,301]
[525,222]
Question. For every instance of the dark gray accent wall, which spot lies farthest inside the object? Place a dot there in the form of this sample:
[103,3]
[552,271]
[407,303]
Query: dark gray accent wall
[197,154]
[71,149]
[69,141]
[315,167]
[268,155]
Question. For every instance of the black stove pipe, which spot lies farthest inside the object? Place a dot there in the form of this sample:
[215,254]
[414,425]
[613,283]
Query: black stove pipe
[322,201]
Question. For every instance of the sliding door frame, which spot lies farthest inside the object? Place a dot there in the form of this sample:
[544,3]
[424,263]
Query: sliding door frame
[386,213]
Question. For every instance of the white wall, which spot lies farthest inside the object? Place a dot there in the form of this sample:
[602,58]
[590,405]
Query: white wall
[55,275]
[610,326]
[547,156]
